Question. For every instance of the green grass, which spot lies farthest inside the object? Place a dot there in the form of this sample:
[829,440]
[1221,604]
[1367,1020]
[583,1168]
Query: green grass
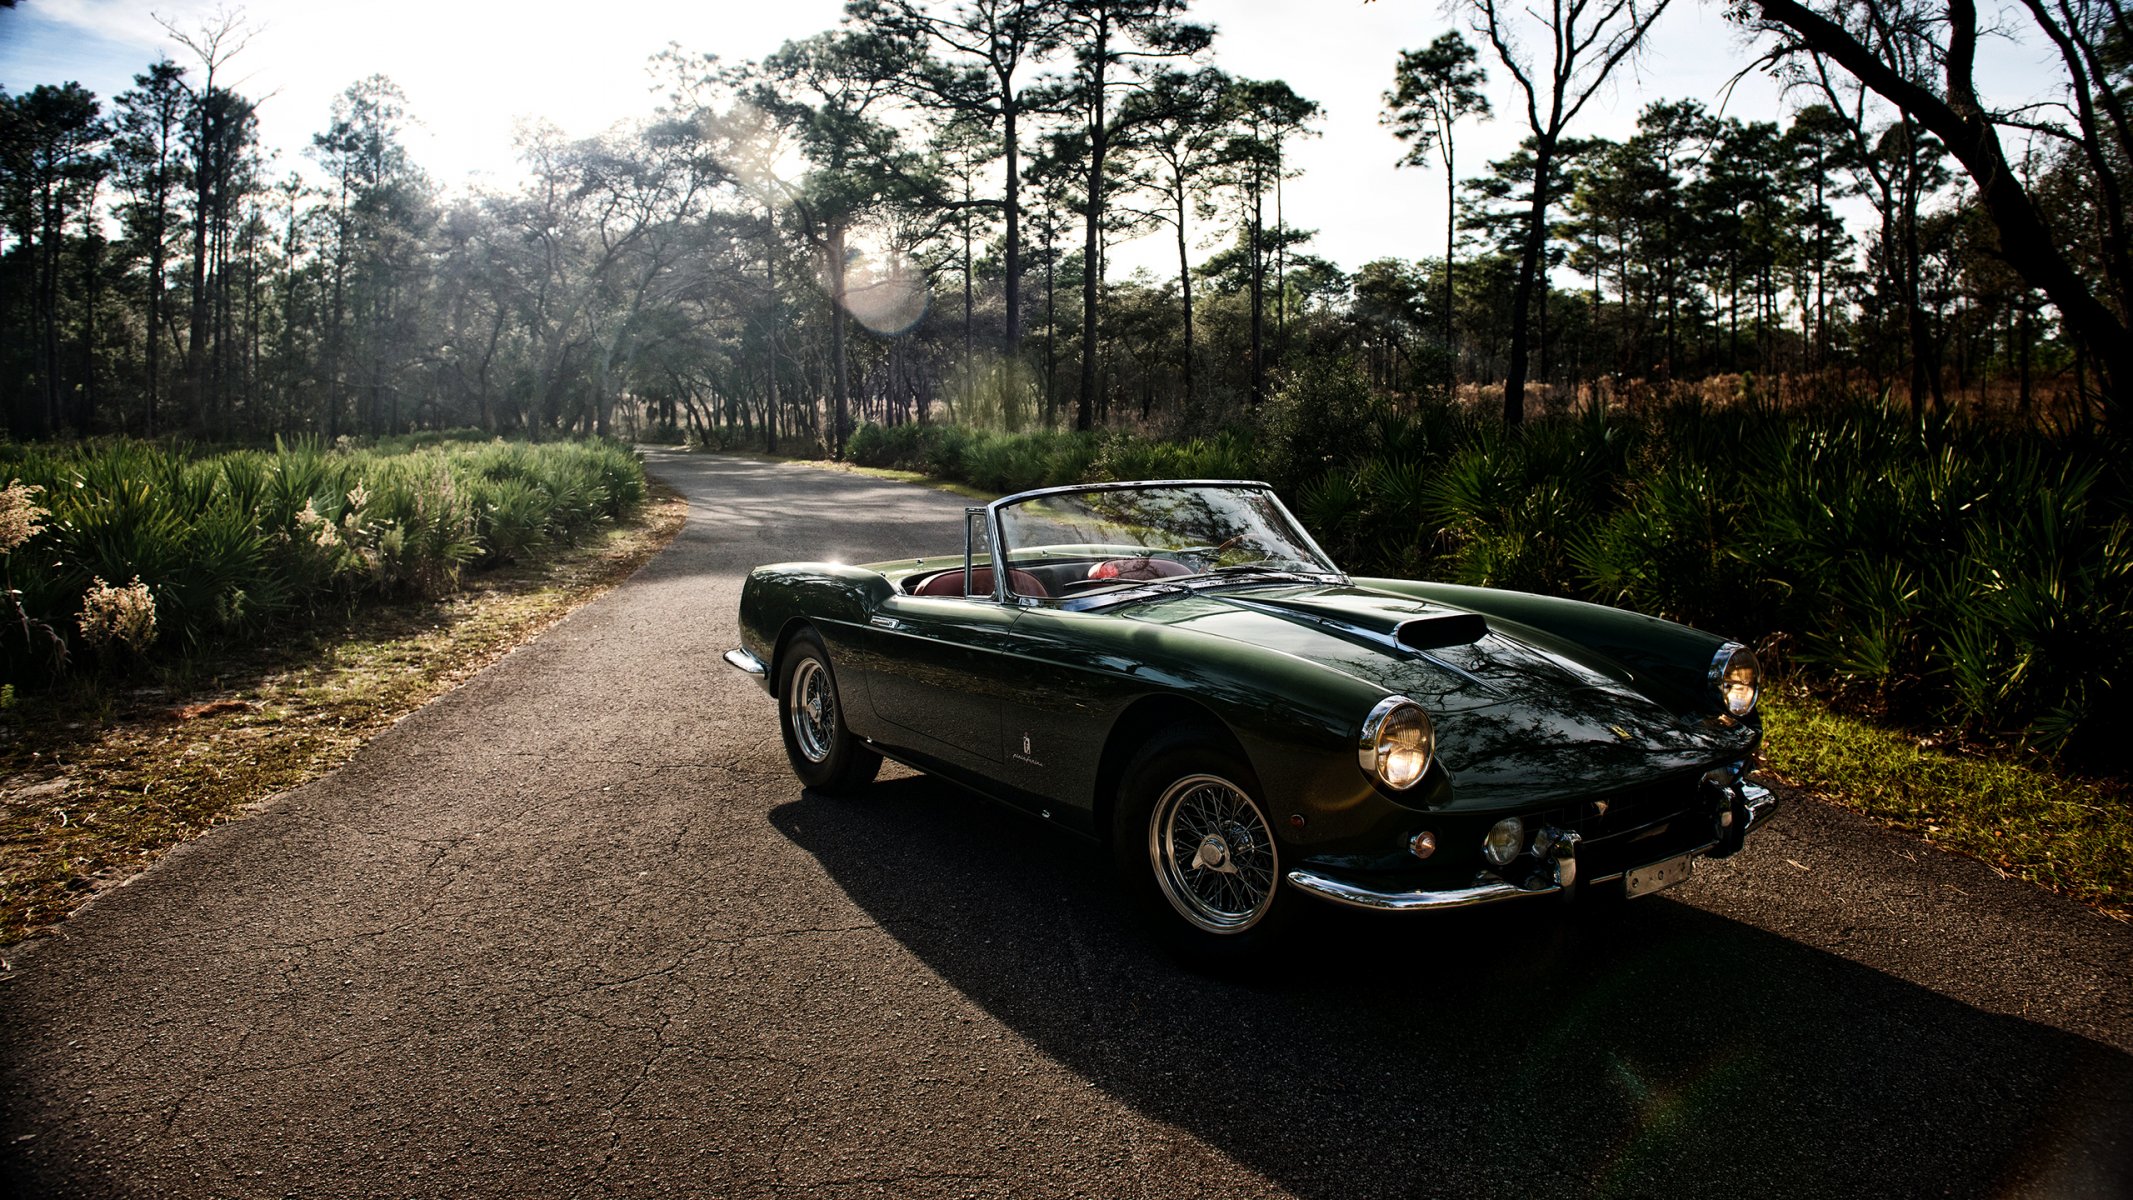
[2067,835]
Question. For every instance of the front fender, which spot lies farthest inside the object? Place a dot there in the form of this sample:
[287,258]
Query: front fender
[832,597]
[1296,720]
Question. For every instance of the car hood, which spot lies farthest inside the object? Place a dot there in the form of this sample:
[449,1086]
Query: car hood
[1513,708]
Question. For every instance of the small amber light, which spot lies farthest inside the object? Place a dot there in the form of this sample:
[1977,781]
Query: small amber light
[1296,820]
[1423,844]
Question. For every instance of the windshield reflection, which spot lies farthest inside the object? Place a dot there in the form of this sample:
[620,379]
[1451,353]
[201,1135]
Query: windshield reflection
[1074,543]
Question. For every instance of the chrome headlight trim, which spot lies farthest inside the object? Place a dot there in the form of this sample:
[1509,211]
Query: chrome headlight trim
[1722,664]
[1370,752]
[1501,852]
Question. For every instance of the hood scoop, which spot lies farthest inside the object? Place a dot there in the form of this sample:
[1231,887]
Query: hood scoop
[1380,627]
[1436,633]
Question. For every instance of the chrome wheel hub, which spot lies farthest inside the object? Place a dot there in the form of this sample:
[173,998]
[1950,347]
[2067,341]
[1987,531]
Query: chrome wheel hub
[813,704]
[1213,854]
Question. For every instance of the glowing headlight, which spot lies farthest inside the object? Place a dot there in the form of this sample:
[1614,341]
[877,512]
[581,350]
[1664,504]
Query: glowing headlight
[1506,838]
[1397,743]
[1737,678]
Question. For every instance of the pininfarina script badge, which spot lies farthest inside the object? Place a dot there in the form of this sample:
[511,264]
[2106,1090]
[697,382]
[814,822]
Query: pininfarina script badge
[1024,757]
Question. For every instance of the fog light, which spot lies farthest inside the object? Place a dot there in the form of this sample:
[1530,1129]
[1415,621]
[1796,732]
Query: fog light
[1423,844]
[1505,839]
[1719,778]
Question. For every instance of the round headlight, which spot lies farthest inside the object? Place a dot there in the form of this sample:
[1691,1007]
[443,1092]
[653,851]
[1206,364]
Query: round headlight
[1737,678]
[1506,838]
[1397,743]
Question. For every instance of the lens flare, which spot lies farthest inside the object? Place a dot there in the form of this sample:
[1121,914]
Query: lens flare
[885,292]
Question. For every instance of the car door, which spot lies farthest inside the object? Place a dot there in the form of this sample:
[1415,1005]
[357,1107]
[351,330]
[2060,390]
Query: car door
[941,671]
[942,667]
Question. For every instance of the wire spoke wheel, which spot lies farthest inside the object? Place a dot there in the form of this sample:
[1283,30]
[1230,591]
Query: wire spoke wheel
[813,701]
[1213,854]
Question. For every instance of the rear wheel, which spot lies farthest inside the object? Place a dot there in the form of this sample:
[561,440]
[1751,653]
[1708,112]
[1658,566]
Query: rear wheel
[1195,847]
[824,753]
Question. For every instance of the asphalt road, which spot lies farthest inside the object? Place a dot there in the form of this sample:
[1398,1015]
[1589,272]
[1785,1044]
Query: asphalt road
[573,930]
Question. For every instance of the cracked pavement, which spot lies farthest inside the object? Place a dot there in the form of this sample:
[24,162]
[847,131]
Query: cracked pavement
[574,930]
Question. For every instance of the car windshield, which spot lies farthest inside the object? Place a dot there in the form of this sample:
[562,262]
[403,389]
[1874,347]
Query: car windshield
[1103,538]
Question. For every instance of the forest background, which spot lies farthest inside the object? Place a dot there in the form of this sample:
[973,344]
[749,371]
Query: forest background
[1843,377]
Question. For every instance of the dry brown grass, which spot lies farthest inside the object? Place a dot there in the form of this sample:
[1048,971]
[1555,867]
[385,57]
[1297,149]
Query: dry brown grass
[2054,402]
[97,784]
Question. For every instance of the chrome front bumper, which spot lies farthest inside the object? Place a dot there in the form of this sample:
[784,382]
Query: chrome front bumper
[748,664]
[1756,803]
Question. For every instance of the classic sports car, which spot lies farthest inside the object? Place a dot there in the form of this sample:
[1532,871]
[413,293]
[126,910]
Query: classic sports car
[1177,669]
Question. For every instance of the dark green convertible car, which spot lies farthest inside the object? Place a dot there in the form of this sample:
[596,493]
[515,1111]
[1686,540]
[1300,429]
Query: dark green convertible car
[1176,669]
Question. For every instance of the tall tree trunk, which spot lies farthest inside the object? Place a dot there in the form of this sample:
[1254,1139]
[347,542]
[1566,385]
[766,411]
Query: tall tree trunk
[157,252]
[1451,229]
[1281,258]
[1529,262]
[1092,235]
[48,415]
[92,278]
[1258,277]
[2022,337]
[1091,283]
[1011,143]
[1051,328]
[839,385]
[1192,408]
[970,380]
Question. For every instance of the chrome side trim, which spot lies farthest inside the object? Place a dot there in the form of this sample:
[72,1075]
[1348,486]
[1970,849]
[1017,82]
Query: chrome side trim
[1357,896]
[741,660]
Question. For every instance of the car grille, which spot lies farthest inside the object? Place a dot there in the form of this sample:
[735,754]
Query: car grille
[1634,826]
[1610,813]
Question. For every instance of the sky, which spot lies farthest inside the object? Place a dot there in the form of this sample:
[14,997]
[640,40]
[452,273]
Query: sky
[473,70]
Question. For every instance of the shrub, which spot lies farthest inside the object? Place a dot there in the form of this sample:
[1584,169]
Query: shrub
[223,543]
[114,618]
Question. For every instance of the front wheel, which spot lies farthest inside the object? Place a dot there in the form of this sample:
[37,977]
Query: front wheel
[1196,848]
[824,753]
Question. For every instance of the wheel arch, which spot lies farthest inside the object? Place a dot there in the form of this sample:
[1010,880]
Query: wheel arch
[786,633]
[1141,722]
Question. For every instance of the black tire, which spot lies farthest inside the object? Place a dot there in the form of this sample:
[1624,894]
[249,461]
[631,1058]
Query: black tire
[824,753]
[1195,847]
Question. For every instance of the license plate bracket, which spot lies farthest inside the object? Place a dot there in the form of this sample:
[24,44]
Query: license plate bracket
[1658,876]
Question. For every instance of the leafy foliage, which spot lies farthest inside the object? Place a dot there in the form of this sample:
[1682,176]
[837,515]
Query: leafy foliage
[215,545]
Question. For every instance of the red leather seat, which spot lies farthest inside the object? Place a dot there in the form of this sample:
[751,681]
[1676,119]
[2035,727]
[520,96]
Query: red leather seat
[950,583]
[1138,568]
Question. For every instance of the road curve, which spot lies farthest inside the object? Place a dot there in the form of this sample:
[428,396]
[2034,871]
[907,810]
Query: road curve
[573,930]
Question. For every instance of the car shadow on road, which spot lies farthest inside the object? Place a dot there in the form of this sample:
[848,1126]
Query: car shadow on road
[1668,1052]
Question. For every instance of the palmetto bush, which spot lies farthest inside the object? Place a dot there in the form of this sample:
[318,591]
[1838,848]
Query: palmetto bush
[224,543]
[1941,571]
